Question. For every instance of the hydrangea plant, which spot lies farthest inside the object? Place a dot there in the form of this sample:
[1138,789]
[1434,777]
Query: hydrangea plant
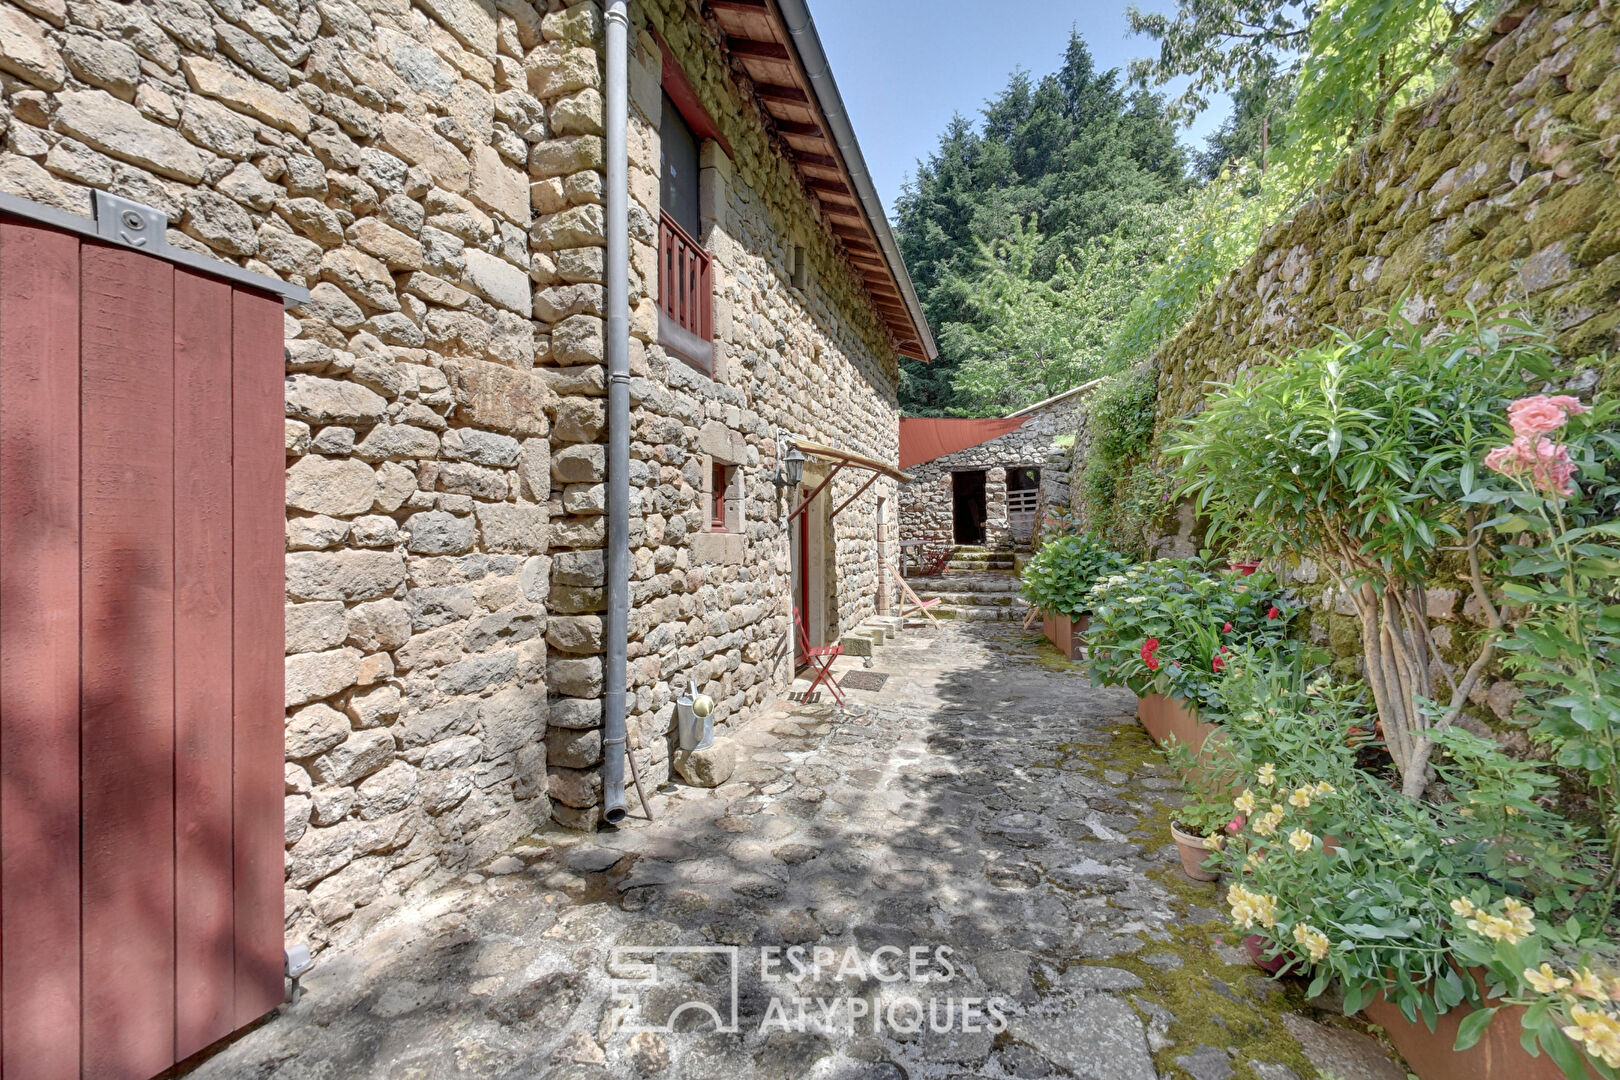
[1063,571]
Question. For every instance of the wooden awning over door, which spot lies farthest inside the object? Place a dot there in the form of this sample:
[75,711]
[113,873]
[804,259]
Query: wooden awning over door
[843,459]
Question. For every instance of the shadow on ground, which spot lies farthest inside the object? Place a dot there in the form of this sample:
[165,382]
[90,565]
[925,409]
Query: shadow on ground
[977,854]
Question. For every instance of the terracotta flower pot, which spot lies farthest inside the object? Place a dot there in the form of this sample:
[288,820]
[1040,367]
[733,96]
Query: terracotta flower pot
[1065,632]
[1163,716]
[1497,1056]
[1244,566]
[1193,853]
[1282,964]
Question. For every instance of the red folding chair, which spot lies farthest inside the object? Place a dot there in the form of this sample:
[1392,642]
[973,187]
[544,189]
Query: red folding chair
[819,657]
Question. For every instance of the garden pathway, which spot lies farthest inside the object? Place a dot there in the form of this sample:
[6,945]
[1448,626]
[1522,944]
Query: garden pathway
[987,801]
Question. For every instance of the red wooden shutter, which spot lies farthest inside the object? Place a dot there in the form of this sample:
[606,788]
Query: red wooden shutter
[141,593]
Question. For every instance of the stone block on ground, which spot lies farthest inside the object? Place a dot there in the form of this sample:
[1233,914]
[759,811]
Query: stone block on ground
[707,768]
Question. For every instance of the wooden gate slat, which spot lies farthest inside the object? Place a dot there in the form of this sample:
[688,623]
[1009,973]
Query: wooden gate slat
[39,651]
[259,513]
[203,867]
[127,672]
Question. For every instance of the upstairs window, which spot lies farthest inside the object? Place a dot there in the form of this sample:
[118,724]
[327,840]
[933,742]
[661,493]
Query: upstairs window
[685,274]
[678,170]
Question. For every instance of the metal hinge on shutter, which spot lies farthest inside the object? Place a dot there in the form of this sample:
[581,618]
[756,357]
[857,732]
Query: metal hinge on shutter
[134,225]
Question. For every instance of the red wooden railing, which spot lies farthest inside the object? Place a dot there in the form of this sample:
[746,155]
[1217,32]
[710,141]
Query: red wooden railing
[685,280]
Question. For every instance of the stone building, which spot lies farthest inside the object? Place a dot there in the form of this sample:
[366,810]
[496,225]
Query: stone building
[988,481]
[435,173]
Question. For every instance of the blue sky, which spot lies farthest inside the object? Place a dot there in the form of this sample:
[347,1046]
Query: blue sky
[904,66]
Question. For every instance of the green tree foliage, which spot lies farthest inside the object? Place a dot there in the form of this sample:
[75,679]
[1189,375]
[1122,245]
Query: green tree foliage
[1028,337]
[1077,152]
[1350,63]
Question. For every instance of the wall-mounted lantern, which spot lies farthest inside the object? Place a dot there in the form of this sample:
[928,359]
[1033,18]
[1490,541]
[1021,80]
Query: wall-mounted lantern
[789,465]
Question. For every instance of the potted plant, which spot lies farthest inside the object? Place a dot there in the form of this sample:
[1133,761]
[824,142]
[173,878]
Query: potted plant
[1398,900]
[1166,630]
[1203,820]
[1057,580]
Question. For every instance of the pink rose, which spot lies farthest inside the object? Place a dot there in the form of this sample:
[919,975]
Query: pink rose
[1540,414]
[1544,463]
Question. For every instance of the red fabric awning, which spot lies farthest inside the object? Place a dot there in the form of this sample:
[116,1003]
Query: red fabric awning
[924,438]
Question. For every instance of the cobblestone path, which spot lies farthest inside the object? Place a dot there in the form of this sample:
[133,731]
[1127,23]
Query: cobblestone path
[976,856]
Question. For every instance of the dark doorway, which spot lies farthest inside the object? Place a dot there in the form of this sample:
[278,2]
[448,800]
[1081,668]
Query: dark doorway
[967,498]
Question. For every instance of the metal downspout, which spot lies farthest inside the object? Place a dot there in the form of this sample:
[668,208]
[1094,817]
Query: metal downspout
[618,412]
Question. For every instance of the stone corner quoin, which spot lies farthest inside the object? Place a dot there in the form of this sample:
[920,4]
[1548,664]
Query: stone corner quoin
[432,173]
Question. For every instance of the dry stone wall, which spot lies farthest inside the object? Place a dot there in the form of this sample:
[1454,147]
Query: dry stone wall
[710,610]
[433,172]
[926,503]
[1502,188]
[377,153]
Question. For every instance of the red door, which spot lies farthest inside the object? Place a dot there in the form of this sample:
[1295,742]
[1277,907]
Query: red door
[141,592]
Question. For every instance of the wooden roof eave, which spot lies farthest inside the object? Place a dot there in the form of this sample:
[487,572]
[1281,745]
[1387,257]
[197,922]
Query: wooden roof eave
[808,146]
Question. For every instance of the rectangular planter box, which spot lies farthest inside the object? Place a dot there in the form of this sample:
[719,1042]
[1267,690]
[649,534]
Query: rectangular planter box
[1065,633]
[1497,1056]
[1163,716]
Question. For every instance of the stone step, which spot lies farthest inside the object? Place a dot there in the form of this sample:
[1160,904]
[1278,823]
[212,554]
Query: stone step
[978,567]
[1004,587]
[978,613]
[976,599]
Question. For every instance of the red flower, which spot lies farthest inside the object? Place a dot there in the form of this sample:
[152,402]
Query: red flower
[1218,663]
[1273,613]
[1227,629]
[1150,646]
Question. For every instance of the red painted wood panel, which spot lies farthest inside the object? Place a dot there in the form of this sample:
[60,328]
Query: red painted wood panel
[259,515]
[204,922]
[39,651]
[127,667]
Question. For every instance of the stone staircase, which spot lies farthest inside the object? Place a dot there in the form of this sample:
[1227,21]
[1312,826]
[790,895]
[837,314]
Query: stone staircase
[977,584]
[967,560]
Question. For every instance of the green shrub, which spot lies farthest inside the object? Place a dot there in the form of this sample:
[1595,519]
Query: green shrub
[1063,571]
[1167,627]
[1358,454]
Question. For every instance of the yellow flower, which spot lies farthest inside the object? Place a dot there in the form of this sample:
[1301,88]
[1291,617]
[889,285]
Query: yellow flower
[1519,921]
[1300,798]
[1251,861]
[1464,907]
[1268,774]
[1598,1032]
[1249,908]
[1245,801]
[1522,918]
[1324,788]
[1312,940]
[1544,980]
[1495,928]
[1300,840]
[1214,842]
[1588,985]
[1267,823]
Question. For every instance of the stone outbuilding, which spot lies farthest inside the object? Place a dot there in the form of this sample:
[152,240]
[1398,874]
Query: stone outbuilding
[436,174]
[987,482]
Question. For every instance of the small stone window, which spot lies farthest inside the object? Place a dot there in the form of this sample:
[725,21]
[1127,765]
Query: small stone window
[799,278]
[725,500]
[720,484]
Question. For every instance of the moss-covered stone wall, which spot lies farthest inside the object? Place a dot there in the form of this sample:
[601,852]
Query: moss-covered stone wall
[1502,188]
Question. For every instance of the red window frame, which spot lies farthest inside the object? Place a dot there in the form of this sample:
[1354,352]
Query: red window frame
[717,506]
